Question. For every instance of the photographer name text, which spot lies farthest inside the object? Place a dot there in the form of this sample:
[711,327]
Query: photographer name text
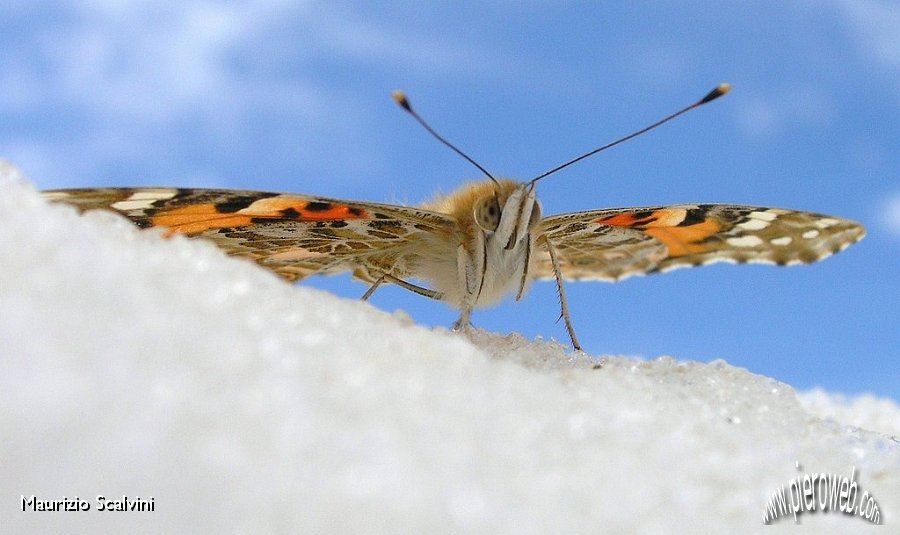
[76,504]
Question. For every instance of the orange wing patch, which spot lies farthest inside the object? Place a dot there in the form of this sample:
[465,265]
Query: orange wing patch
[668,226]
[197,218]
[656,218]
[286,207]
[685,240]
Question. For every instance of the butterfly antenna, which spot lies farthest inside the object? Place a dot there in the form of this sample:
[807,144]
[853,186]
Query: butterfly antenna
[720,90]
[400,98]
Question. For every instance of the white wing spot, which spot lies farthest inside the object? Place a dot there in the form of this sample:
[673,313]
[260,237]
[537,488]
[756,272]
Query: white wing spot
[810,234]
[826,222]
[141,200]
[132,205]
[754,224]
[763,216]
[153,194]
[745,241]
[784,240]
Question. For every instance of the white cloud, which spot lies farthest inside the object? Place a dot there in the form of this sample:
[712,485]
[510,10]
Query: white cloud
[769,114]
[891,214]
[152,63]
[136,72]
[758,116]
[875,24]
[348,35]
[155,61]
[127,76]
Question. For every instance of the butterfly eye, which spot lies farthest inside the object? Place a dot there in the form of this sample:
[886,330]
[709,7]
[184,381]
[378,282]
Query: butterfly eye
[535,216]
[487,213]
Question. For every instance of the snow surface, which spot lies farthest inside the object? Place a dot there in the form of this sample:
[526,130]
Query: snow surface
[142,366]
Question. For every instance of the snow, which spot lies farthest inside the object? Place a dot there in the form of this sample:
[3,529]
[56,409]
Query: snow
[135,365]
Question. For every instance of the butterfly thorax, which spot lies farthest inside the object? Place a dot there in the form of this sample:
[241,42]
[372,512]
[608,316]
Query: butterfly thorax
[492,243]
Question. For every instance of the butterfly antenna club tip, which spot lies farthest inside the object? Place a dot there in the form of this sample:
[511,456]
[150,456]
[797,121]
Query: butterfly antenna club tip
[720,90]
[400,98]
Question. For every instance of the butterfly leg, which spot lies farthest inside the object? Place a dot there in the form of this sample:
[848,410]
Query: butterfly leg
[372,289]
[431,294]
[464,323]
[563,302]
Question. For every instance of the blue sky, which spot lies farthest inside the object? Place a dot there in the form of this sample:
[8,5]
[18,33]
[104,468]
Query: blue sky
[295,97]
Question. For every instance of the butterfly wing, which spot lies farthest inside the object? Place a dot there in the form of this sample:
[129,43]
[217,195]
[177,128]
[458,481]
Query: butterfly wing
[616,243]
[292,235]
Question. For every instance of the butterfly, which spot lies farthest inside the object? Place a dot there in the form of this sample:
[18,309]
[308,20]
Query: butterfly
[477,245]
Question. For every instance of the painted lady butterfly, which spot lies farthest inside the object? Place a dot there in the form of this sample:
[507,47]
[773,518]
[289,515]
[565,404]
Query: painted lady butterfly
[475,246]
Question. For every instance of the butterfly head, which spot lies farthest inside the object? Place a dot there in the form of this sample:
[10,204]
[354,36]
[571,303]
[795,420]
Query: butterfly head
[506,212]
